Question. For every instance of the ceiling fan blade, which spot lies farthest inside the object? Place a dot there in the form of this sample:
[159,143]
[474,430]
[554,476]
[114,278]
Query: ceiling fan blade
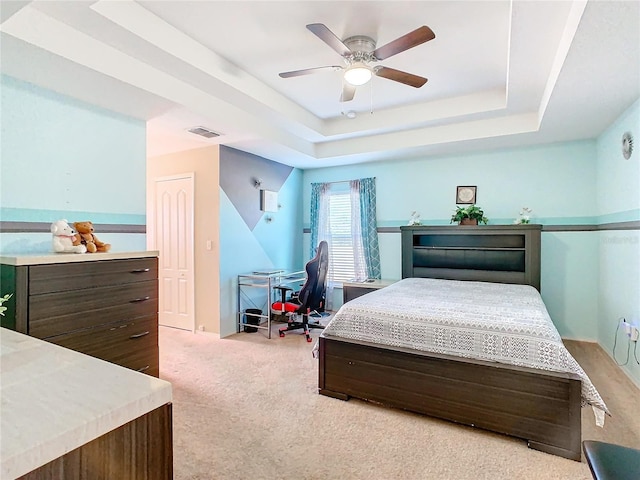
[328,37]
[348,92]
[399,76]
[410,40]
[307,71]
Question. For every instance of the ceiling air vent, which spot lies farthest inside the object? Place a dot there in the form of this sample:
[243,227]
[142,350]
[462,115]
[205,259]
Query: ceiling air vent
[204,132]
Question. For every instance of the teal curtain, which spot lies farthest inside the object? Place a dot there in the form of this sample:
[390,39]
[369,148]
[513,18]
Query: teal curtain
[369,226]
[316,191]
[320,231]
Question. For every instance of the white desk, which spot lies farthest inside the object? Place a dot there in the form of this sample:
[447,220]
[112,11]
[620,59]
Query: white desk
[264,279]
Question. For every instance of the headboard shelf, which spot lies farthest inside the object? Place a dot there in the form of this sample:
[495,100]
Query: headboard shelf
[461,239]
[493,253]
[504,249]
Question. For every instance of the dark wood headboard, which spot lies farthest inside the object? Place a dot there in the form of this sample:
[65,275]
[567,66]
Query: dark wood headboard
[489,253]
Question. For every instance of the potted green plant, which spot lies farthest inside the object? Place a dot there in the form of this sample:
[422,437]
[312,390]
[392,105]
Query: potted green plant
[469,215]
[3,300]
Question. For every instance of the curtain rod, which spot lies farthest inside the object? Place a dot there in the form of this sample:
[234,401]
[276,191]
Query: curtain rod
[344,181]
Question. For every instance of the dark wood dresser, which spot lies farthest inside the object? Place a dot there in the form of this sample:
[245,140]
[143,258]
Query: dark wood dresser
[103,305]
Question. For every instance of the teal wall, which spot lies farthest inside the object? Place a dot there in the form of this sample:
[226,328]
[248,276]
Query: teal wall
[245,248]
[569,280]
[557,181]
[589,278]
[619,250]
[62,158]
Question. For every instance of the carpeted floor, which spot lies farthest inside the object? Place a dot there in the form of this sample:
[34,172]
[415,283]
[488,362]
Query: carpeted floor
[247,407]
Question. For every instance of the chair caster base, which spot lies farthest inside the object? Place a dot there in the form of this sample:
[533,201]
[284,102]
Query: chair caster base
[309,338]
[281,334]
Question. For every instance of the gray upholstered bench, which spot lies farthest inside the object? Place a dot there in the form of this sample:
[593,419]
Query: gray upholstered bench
[612,462]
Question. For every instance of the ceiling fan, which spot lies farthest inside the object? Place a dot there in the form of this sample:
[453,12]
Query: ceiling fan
[359,52]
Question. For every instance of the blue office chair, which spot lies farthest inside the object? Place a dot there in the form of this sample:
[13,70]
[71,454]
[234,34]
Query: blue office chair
[310,299]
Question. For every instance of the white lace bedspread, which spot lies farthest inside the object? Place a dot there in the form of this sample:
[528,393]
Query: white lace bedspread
[486,321]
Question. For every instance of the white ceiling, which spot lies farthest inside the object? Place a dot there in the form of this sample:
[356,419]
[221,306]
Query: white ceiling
[501,73]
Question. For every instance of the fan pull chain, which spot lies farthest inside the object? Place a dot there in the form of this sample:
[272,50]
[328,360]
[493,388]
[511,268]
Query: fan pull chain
[371,90]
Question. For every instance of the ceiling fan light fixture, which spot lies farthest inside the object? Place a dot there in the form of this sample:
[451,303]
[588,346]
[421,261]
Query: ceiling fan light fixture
[357,74]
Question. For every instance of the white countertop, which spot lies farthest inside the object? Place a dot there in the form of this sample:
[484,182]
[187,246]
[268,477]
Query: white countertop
[46,258]
[54,400]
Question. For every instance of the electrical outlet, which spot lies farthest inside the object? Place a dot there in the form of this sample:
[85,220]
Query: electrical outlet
[633,336]
[627,327]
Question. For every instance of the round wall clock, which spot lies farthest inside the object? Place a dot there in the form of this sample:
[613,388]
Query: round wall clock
[627,145]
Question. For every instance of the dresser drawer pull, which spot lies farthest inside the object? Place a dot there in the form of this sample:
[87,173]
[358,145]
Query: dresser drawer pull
[143,369]
[138,335]
[141,270]
[141,299]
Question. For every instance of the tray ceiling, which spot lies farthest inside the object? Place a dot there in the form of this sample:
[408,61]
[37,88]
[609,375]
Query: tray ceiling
[500,73]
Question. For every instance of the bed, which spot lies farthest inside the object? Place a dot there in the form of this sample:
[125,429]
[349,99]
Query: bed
[374,347]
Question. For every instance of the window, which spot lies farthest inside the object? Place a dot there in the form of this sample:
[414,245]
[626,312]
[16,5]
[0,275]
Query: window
[344,214]
[344,264]
[340,212]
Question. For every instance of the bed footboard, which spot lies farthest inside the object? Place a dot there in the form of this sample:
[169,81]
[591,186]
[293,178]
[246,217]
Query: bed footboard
[538,406]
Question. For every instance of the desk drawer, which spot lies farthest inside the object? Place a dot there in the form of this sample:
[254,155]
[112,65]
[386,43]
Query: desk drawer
[132,344]
[57,313]
[84,275]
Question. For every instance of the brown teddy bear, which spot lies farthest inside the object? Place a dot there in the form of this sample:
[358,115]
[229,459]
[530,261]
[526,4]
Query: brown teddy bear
[88,239]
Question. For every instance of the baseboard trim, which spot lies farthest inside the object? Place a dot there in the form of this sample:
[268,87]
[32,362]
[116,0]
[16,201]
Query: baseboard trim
[610,356]
[626,373]
[208,334]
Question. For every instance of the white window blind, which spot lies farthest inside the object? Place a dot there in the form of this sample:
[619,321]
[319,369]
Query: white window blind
[337,219]
[341,256]
[344,239]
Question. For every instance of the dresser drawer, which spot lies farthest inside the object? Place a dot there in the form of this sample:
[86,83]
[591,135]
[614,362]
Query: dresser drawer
[143,361]
[56,313]
[132,344]
[84,275]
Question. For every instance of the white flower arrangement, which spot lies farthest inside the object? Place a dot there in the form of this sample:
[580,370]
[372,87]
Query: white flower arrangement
[524,216]
[415,219]
[2,300]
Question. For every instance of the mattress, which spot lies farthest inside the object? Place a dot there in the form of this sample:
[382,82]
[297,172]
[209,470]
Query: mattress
[486,321]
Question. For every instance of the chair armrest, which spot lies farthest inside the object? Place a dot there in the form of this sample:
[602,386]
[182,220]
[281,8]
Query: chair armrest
[611,462]
[283,291]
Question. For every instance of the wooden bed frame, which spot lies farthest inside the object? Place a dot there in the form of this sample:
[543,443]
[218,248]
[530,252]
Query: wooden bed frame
[539,406]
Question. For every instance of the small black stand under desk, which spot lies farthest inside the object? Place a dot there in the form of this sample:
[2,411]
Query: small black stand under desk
[266,280]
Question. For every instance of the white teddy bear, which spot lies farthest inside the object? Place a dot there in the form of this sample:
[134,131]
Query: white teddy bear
[64,238]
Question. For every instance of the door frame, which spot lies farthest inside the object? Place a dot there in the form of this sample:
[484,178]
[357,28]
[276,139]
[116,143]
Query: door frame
[152,237]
